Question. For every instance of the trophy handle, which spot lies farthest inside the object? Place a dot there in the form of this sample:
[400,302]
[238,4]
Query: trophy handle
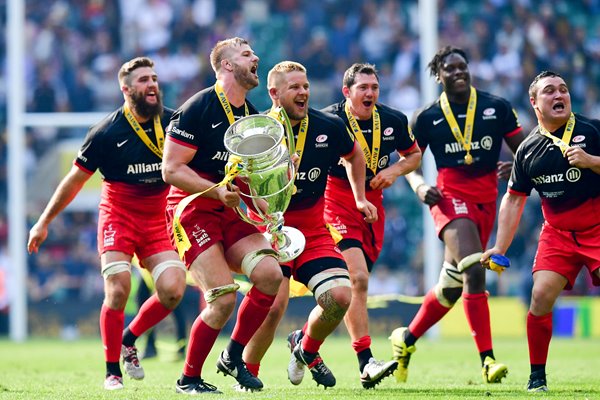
[289,133]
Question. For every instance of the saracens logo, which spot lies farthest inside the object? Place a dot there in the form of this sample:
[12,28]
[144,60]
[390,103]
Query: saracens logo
[321,138]
[578,138]
[489,113]
[388,131]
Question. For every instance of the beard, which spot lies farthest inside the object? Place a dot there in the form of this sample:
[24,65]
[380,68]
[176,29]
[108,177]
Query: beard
[145,109]
[244,77]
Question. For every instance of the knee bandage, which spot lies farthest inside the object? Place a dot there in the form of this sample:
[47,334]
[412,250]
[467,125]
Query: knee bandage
[450,278]
[326,280]
[469,261]
[212,294]
[115,267]
[160,268]
[251,260]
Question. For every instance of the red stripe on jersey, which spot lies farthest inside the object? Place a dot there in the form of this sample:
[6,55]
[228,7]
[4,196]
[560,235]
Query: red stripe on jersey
[578,218]
[172,139]
[513,133]
[403,152]
[81,167]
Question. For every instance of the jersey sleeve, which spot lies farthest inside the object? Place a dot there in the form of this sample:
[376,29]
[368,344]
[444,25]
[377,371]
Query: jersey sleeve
[519,182]
[406,140]
[90,155]
[511,121]
[418,130]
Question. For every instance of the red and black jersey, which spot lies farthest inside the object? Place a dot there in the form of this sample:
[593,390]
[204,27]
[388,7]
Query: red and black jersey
[200,123]
[570,196]
[495,120]
[395,136]
[326,141]
[113,147]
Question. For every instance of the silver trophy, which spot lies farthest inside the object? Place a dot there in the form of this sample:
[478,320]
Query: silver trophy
[266,179]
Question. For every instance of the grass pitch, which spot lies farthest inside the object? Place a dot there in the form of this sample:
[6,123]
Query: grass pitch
[448,369]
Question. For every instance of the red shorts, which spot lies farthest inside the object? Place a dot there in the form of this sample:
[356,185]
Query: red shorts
[566,252]
[341,213]
[206,222]
[319,243]
[132,220]
[450,208]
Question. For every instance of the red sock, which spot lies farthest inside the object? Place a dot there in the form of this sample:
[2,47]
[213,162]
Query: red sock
[311,345]
[251,315]
[111,331]
[430,312]
[253,368]
[362,344]
[477,312]
[150,314]
[202,339]
[539,333]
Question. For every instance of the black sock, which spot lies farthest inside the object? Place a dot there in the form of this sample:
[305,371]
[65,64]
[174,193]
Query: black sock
[487,353]
[363,358]
[186,380]
[538,369]
[235,350]
[409,338]
[113,368]
[128,338]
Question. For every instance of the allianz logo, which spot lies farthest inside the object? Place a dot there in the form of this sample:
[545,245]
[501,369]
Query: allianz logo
[142,168]
[572,175]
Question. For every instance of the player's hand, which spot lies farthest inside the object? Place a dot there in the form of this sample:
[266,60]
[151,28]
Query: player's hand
[37,236]
[229,196]
[368,209]
[485,257]
[577,157]
[429,195]
[383,180]
[503,169]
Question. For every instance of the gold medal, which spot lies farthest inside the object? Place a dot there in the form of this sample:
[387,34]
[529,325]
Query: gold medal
[294,189]
[468,159]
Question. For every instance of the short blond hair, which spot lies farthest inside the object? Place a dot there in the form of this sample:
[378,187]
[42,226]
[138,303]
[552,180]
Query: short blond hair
[280,69]
[220,51]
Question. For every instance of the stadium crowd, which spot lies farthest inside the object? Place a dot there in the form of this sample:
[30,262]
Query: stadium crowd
[75,47]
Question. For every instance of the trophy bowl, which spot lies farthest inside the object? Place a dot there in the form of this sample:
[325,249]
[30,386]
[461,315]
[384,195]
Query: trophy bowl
[266,179]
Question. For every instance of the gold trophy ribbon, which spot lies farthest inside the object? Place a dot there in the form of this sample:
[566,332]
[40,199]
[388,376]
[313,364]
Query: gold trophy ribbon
[464,140]
[137,128]
[234,167]
[563,143]
[371,155]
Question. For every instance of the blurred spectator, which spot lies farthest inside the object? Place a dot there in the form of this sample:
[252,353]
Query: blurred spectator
[383,281]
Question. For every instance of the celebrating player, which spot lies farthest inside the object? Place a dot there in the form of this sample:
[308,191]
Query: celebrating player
[321,140]
[464,129]
[560,159]
[379,130]
[219,241]
[126,147]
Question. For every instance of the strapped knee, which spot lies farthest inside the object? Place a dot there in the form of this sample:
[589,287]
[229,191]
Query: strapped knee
[251,260]
[469,261]
[160,268]
[450,278]
[115,267]
[327,280]
[214,293]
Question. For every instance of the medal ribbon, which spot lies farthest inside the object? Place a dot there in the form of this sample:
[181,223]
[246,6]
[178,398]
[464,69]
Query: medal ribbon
[371,155]
[158,131]
[563,144]
[301,141]
[225,104]
[464,140]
